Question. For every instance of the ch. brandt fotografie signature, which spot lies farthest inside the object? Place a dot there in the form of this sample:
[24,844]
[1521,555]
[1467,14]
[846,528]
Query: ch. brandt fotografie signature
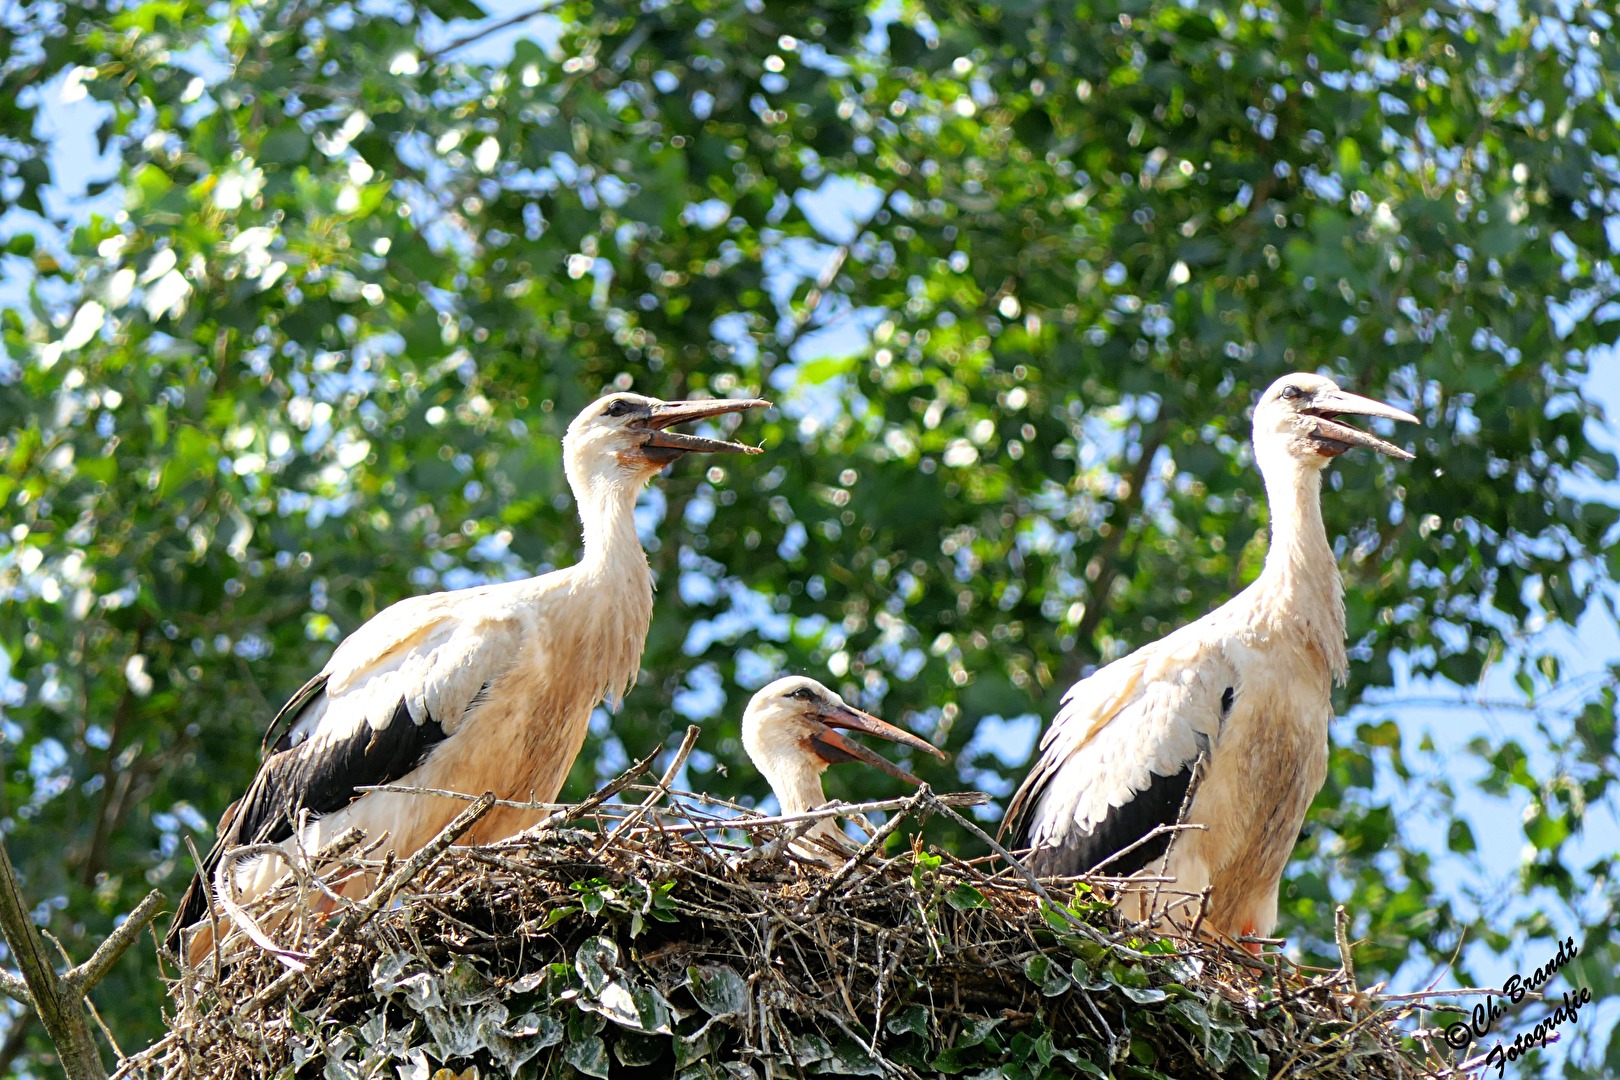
[1486,1013]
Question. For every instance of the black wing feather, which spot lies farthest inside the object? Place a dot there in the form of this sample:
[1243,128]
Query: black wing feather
[295,779]
[1162,802]
[1158,804]
[278,736]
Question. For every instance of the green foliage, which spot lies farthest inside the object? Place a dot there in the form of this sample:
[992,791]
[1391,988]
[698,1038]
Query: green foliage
[1013,273]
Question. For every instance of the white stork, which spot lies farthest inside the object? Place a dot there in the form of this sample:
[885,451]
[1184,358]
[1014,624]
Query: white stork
[1227,716]
[790,730]
[484,689]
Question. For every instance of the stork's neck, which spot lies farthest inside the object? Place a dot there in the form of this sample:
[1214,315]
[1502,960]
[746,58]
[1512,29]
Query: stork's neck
[798,787]
[611,586]
[1300,584]
[797,783]
[607,512]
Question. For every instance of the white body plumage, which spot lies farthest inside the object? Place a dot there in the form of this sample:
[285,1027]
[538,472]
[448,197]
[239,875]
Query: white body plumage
[483,689]
[1223,724]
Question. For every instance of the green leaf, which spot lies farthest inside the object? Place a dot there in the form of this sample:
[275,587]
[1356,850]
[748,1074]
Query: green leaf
[1349,157]
[718,989]
[595,961]
[822,370]
[807,1048]
[588,1055]
[193,457]
[965,898]
[638,1051]
[1245,1051]
[1143,995]
[1049,977]
[975,1030]
[912,1020]
[848,1058]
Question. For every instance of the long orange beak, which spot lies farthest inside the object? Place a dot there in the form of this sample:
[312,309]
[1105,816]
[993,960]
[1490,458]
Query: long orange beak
[833,747]
[663,446]
[1334,438]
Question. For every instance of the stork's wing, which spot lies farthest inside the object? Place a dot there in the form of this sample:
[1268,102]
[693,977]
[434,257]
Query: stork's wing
[1120,758]
[392,691]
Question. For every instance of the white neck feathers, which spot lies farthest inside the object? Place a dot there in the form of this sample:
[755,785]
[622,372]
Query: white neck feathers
[612,582]
[794,773]
[797,783]
[1300,586]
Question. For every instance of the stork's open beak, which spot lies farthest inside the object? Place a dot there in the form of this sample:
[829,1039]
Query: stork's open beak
[663,446]
[833,747]
[1333,438]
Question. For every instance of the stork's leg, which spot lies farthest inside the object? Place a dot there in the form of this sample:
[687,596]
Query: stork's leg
[1249,931]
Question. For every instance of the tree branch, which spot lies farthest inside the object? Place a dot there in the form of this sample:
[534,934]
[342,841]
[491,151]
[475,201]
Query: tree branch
[60,1007]
[15,989]
[493,28]
[82,978]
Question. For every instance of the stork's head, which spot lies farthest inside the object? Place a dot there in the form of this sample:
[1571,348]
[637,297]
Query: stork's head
[1298,416]
[627,436]
[793,729]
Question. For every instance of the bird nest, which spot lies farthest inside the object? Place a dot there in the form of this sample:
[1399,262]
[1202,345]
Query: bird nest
[680,935]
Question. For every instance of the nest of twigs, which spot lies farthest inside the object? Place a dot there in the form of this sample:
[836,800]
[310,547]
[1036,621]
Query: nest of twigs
[683,936]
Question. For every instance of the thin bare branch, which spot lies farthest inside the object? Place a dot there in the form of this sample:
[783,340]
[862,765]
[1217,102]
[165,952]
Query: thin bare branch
[489,29]
[82,978]
[662,788]
[904,814]
[16,989]
[359,915]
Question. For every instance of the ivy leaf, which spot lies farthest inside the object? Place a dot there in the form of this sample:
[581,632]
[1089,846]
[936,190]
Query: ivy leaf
[975,1030]
[719,990]
[1256,1061]
[1049,977]
[911,1020]
[1144,995]
[809,1048]
[595,961]
[589,1055]
[638,1050]
[558,914]
[848,1059]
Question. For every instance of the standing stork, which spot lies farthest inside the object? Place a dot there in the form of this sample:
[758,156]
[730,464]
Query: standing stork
[1222,724]
[484,689]
[791,732]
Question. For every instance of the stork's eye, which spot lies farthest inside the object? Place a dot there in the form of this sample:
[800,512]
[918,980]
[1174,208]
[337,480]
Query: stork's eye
[803,693]
[619,407]
[1292,393]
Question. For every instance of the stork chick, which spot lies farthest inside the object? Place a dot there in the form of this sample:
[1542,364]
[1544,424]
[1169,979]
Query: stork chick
[1227,716]
[484,689]
[793,729]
